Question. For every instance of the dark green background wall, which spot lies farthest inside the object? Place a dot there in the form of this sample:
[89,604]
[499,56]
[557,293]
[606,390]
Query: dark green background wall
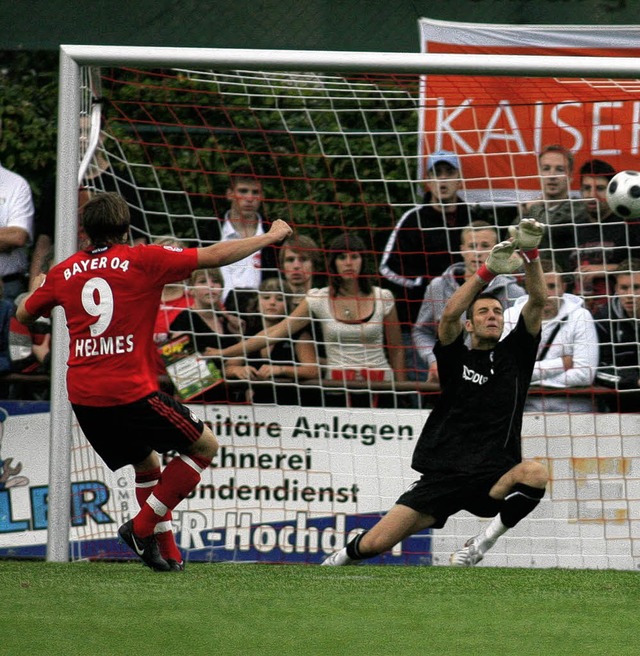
[373,25]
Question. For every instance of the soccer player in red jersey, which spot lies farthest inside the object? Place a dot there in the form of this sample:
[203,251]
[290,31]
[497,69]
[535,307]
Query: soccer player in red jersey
[110,293]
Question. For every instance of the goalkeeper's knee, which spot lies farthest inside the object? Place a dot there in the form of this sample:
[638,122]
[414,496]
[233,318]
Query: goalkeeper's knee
[521,500]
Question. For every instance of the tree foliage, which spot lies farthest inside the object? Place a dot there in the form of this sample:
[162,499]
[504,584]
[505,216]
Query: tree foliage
[193,134]
[326,161]
[28,112]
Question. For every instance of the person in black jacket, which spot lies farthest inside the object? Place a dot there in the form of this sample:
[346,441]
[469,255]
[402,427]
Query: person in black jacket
[425,242]
[618,326]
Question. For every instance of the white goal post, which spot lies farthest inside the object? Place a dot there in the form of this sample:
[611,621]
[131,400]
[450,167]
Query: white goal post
[74,57]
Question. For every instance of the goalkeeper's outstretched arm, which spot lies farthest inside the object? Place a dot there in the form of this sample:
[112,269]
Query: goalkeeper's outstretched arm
[537,292]
[527,235]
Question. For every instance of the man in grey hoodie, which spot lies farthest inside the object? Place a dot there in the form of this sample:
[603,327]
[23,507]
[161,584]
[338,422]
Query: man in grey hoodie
[476,242]
[568,353]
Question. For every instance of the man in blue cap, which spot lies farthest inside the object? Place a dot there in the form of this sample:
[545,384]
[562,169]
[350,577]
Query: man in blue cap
[425,242]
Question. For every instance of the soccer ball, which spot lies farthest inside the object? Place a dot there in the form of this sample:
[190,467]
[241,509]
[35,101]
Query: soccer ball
[623,194]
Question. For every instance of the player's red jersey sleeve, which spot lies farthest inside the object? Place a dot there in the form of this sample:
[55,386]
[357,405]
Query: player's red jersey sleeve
[110,298]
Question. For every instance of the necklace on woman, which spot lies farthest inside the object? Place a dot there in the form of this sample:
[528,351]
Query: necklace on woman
[346,305]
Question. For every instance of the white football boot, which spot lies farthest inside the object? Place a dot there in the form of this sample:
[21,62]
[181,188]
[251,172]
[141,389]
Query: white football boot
[338,558]
[472,552]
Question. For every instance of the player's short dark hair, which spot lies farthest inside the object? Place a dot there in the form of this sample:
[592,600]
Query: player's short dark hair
[597,168]
[106,218]
[479,297]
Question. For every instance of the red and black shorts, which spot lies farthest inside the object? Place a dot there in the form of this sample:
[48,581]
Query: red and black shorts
[127,434]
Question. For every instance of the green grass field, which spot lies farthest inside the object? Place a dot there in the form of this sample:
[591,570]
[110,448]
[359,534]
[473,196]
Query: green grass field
[105,609]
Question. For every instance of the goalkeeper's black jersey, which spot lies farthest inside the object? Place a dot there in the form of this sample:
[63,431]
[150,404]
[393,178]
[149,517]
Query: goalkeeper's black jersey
[475,426]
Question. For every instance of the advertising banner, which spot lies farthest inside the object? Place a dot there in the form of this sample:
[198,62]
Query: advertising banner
[288,484]
[292,484]
[497,125]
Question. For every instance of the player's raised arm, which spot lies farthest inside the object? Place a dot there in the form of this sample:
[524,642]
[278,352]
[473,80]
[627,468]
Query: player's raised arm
[502,259]
[228,252]
[527,236]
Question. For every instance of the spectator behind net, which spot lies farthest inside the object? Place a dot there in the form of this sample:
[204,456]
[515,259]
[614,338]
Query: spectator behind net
[603,239]
[568,353]
[618,325]
[245,194]
[358,321]
[291,359]
[16,231]
[423,244]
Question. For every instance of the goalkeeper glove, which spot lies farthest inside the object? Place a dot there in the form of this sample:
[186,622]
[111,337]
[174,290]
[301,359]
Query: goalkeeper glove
[502,259]
[527,236]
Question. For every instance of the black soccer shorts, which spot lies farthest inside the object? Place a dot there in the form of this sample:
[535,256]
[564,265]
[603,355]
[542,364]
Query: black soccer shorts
[449,496]
[127,434]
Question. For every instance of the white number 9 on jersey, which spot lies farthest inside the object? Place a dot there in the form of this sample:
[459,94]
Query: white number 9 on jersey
[101,308]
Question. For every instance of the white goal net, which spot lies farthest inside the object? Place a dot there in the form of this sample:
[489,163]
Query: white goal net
[339,146]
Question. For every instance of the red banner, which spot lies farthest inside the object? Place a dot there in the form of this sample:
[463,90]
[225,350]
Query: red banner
[497,125]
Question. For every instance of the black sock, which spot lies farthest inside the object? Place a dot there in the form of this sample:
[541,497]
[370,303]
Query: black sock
[353,548]
[520,501]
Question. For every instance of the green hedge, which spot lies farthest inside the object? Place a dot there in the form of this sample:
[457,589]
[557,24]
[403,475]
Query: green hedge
[311,191]
[28,114]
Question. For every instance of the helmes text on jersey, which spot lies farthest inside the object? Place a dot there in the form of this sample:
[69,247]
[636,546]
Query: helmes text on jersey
[92,346]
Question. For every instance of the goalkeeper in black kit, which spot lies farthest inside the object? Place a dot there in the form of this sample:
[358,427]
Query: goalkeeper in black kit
[469,451]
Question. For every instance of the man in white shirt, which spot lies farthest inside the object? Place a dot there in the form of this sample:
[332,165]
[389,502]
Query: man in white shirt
[568,353]
[16,226]
[242,220]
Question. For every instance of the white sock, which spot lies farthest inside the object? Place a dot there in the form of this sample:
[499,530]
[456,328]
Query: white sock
[495,529]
